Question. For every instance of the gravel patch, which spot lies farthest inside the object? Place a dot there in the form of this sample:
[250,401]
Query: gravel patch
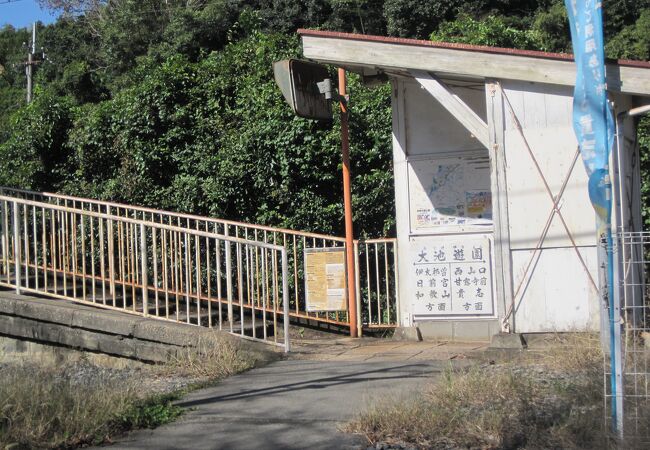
[148,381]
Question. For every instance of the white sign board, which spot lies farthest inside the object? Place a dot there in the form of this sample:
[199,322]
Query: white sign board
[451,276]
[449,191]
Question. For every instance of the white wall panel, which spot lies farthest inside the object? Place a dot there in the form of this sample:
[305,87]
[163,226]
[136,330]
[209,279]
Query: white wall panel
[546,121]
[430,128]
[557,295]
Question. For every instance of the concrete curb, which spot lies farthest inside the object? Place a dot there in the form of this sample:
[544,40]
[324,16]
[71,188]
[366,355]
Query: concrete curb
[87,328]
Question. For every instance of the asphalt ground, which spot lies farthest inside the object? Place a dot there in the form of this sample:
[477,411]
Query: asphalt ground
[302,402]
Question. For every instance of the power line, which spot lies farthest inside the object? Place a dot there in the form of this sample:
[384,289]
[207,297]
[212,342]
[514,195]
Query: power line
[4,2]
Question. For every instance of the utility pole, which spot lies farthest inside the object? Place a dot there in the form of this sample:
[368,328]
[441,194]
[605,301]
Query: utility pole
[31,63]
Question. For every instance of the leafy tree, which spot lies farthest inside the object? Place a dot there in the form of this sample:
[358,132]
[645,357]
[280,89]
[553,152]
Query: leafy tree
[620,13]
[491,31]
[216,137]
[70,7]
[416,19]
[72,66]
[551,27]
[12,79]
[36,155]
[633,42]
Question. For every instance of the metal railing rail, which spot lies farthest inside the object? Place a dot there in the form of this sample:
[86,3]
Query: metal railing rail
[376,274]
[158,270]
[377,283]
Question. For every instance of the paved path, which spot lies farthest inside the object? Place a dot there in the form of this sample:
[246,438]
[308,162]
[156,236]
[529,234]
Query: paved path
[297,403]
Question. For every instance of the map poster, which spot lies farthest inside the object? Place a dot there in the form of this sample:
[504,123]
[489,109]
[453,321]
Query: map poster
[449,191]
[479,204]
[451,276]
[325,283]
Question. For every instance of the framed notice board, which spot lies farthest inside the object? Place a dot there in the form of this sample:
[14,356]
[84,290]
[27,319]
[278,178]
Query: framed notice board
[451,276]
[325,283]
[449,191]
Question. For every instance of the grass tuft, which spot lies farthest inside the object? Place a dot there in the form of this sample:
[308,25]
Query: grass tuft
[212,357]
[39,410]
[44,408]
[552,400]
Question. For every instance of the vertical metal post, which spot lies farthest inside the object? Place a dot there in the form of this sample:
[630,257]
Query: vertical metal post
[398,305]
[285,299]
[347,201]
[357,283]
[17,255]
[229,279]
[111,260]
[615,281]
[5,250]
[143,279]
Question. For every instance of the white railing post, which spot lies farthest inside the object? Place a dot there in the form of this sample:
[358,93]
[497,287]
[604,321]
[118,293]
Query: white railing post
[143,279]
[17,255]
[5,249]
[398,304]
[111,259]
[357,281]
[285,298]
[228,279]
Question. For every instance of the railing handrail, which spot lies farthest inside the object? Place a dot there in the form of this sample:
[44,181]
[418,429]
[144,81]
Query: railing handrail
[376,240]
[79,256]
[196,217]
[190,231]
[375,259]
[176,214]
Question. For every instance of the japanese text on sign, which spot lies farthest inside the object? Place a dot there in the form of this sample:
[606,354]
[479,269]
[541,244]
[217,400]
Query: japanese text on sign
[325,279]
[451,276]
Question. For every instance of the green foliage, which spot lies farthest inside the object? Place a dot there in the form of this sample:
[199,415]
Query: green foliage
[36,155]
[12,93]
[644,152]
[415,18]
[216,137]
[633,42]
[72,59]
[150,413]
[621,13]
[491,31]
[551,27]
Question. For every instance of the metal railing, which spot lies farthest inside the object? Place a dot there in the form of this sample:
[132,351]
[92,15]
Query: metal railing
[376,274]
[158,270]
[377,283]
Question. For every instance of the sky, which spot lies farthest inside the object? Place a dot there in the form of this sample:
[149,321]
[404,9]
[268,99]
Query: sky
[21,13]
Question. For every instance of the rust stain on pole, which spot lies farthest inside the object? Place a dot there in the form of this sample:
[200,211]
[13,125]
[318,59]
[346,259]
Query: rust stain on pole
[347,201]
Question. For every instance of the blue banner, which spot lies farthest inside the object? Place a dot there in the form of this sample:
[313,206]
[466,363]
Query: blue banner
[593,121]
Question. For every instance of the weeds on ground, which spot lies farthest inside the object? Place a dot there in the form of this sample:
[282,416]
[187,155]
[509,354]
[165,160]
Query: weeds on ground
[39,408]
[150,412]
[212,358]
[553,400]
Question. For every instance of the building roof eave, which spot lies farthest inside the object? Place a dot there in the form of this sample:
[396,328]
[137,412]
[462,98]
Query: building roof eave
[399,56]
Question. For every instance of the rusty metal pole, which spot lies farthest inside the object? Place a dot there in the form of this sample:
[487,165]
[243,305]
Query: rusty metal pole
[347,202]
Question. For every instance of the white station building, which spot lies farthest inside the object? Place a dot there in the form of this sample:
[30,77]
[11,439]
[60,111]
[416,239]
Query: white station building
[494,224]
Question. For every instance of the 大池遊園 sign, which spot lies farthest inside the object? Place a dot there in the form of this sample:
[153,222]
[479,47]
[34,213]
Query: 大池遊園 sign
[451,276]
